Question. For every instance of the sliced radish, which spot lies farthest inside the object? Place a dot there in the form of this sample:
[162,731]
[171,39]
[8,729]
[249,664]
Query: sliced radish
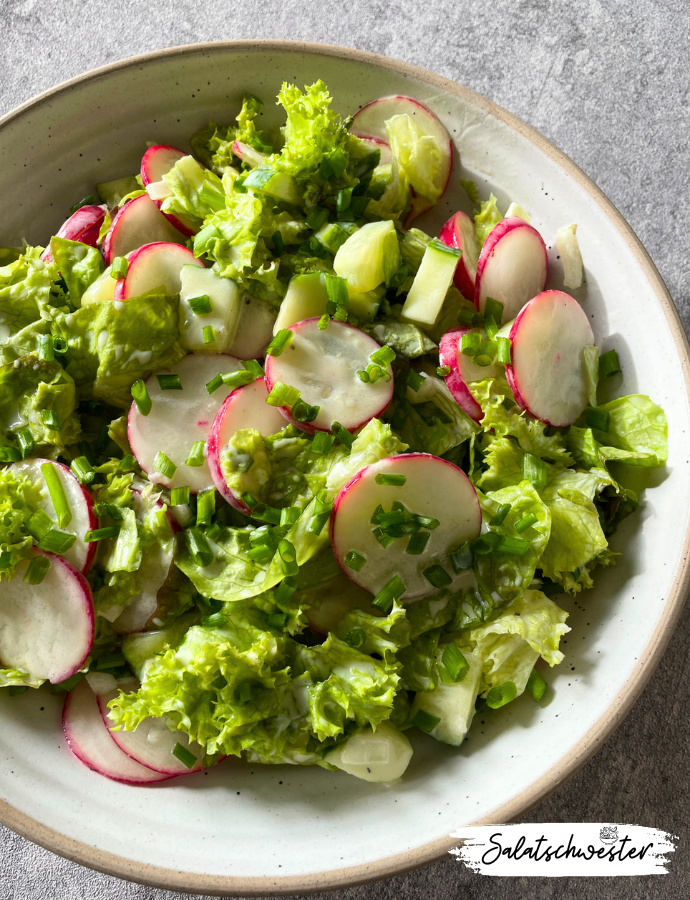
[547,374]
[511,267]
[47,629]
[157,162]
[323,366]
[89,740]
[459,232]
[245,407]
[139,222]
[179,418]
[84,226]
[434,488]
[463,371]
[152,743]
[248,154]
[80,502]
[384,148]
[254,328]
[155,266]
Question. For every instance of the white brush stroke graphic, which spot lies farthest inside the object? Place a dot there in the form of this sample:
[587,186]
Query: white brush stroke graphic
[559,850]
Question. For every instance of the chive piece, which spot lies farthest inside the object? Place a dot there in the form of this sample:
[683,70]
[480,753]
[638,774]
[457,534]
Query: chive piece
[196,454]
[202,241]
[278,244]
[490,327]
[249,500]
[39,524]
[437,576]
[45,347]
[185,756]
[455,663]
[279,342]
[82,470]
[216,532]
[343,435]
[209,334]
[485,543]
[165,466]
[493,310]
[425,721]
[486,354]
[254,366]
[513,546]
[127,462]
[302,412]
[213,385]
[356,638]
[534,470]
[443,371]
[237,379]
[179,496]
[354,560]
[338,297]
[501,694]
[118,268]
[57,541]
[322,443]
[282,395]
[501,513]
[199,548]
[384,356]
[461,559]
[415,380]
[317,522]
[201,306]
[283,593]
[27,442]
[383,537]
[261,554]
[597,418]
[609,364]
[324,322]
[10,454]
[389,593]
[466,315]
[536,685]
[141,397]
[343,199]
[394,517]
[215,620]
[37,570]
[417,543]
[278,620]
[102,534]
[5,559]
[89,200]
[108,509]
[525,522]
[288,557]
[290,515]
[169,382]
[426,522]
[266,514]
[60,346]
[317,217]
[50,420]
[86,450]
[470,343]
[205,506]
[390,479]
[503,347]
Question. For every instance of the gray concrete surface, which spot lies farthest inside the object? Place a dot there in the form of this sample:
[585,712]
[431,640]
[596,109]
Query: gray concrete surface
[606,80]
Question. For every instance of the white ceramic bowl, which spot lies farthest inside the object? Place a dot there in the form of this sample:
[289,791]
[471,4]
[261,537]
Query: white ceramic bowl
[267,830]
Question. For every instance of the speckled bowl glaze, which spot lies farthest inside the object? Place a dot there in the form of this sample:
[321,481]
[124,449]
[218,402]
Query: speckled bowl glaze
[265,830]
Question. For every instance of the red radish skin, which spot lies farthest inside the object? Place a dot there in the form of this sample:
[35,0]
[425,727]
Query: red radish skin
[248,154]
[245,407]
[323,366]
[538,367]
[512,266]
[459,232]
[137,223]
[47,629]
[382,146]
[84,226]
[89,740]
[462,372]
[154,265]
[157,162]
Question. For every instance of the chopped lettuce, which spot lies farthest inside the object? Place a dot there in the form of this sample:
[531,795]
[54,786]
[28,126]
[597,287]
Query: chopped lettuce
[638,432]
[419,156]
[485,220]
[18,499]
[405,338]
[191,185]
[25,289]
[78,264]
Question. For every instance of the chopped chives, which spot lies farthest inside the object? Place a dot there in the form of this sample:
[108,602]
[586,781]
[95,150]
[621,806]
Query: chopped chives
[278,620]
[536,685]
[261,553]
[50,420]
[500,515]
[279,342]
[5,559]
[60,345]
[417,543]
[501,694]
[202,240]
[513,546]
[254,366]
[317,217]
[39,524]
[127,462]
[57,541]
[283,593]
[208,334]
[324,322]
[118,268]
[343,199]
[89,200]
[266,514]
[46,351]
[470,343]
[597,418]
[485,543]
[317,522]
[426,522]
[213,385]
[503,347]
[290,515]
[288,557]
[343,435]
[205,506]
[356,638]
[216,532]
[486,354]
[493,310]
[338,297]
[201,306]
[57,494]
[383,537]
[425,721]
[609,364]
[108,509]
[389,593]
[461,559]
[391,479]
[141,397]
[249,500]
[466,315]
[355,561]
[169,382]
[490,327]
[384,356]
[179,496]
[303,412]
[185,756]
[534,470]
[165,466]
[86,450]
[415,380]
[102,534]
[278,244]
[455,663]
[443,371]
[199,548]
[237,379]
[437,576]
[525,522]
[27,442]
[37,570]
[394,517]
[322,443]
[196,454]
[282,395]
[10,454]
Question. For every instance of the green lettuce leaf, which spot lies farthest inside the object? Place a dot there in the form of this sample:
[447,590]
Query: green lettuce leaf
[419,156]
[188,181]
[25,287]
[406,339]
[78,264]
[23,342]
[429,419]
[213,145]
[485,220]
[638,432]
[18,499]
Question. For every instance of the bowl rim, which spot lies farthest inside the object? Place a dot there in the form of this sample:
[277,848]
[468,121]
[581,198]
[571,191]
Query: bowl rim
[217,885]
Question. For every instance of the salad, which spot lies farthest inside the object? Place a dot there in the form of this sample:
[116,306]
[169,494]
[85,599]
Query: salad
[284,476]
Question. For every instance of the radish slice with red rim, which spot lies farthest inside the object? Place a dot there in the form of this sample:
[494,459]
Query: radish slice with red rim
[459,232]
[463,371]
[154,266]
[139,222]
[384,148]
[84,226]
[157,162]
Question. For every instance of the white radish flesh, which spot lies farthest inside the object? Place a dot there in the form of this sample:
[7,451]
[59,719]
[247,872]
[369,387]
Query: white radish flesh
[463,371]
[254,328]
[306,297]
[157,162]
[155,266]
[80,503]
[139,222]
[225,309]
[459,232]
[511,268]
[376,756]
[323,366]
[433,488]
[46,629]
[245,407]
[84,226]
[547,373]
[89,740]
[179,418]
[248,154]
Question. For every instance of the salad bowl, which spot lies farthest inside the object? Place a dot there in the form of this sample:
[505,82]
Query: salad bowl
[260,830]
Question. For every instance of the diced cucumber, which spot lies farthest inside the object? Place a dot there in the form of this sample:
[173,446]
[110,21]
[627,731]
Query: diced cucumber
[278,185]
[111,192]
[453,704]
[225,309]
[306,297]
[369,257]
[332,236]
[516,210]
[431,283]
[103,288]
[377,756]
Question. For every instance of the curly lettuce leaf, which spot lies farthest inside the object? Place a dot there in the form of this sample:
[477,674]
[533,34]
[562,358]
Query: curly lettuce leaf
[486,219]
[638,432]
[213,145]
[25,288]
[429,419]
[419,156]
[188,182]
[18,500]
[78,264]
[406,339]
